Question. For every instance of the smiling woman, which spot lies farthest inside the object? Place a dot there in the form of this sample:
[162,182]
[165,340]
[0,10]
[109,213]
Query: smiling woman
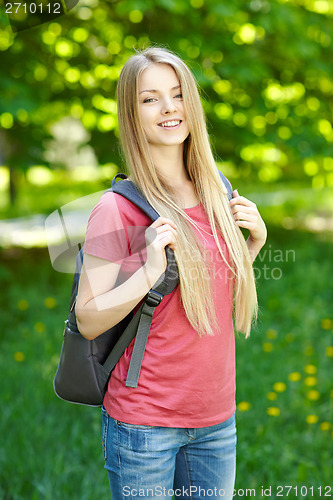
[176,429]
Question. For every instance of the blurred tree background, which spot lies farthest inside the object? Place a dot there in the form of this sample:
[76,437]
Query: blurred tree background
[264,68]
[266,76]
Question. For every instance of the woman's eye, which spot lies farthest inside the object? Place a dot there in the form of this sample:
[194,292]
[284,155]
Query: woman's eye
[149,99]
[179,96]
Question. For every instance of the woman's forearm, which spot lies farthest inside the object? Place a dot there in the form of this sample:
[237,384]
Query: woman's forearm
[254,247]
[106,310]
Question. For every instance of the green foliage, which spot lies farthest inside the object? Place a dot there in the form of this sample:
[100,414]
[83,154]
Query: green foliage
[267,83]
[48,448]
[284,369]
[42,190]
[264,67]
[51,450]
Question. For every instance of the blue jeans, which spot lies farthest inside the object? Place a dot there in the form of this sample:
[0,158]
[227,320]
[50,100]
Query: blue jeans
[159,462]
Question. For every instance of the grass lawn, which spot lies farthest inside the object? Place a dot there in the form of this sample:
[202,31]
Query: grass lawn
[51,450]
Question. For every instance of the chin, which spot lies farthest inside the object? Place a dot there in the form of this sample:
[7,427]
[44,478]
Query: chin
[174,141]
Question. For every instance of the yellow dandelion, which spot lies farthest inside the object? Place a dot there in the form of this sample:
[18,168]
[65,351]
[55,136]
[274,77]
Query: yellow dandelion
[244,406]
[310,381]
[50,302]
[23,305]
[309,351]
[290,337]
[267,347]
[310,369]
[312,419]
[313,395]
[19,357]
[326,324]
[331,393]
[271,334]
[295,376]
[273,411]
[271,396]
[39,327]
[279,387]
[325,426]
[329,351]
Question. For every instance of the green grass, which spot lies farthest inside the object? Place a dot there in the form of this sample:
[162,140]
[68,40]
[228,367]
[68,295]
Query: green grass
[294,334]
[52,450]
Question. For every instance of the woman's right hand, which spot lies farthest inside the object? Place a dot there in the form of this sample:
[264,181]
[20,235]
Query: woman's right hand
[158,235]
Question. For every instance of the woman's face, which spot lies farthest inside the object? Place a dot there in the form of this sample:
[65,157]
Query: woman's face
[161,106]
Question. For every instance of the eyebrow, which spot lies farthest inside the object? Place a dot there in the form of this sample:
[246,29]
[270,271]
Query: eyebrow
[155,91]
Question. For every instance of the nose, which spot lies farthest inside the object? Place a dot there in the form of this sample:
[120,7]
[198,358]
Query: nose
[168,106]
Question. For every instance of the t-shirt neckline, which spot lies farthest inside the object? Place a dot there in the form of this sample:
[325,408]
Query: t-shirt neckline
[192,208]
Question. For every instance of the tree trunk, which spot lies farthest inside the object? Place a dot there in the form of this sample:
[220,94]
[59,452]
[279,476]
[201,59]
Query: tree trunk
[12,185]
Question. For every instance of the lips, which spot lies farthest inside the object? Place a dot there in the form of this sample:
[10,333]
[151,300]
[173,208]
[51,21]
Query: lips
[170,124]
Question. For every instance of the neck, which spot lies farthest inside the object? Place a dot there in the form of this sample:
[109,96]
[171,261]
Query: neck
[170,163]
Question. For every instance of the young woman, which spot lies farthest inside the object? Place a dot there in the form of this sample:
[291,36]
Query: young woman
[175,433]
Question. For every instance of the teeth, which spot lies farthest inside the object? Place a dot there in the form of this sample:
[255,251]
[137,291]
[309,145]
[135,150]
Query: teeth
[170,124]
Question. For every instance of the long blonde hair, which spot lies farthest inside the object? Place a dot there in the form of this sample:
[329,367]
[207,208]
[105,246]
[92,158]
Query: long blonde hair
[201,167]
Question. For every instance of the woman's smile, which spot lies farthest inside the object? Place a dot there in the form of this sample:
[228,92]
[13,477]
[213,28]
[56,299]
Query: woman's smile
[170,124]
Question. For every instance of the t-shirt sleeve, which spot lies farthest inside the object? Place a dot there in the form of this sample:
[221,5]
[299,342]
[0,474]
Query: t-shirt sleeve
[106,235]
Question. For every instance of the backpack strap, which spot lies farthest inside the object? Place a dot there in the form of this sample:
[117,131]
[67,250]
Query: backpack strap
[227,185]
[130,191]
[139,326]
[153,299]
[132,331]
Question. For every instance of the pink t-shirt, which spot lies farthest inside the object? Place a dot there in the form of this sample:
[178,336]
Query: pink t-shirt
[185,380]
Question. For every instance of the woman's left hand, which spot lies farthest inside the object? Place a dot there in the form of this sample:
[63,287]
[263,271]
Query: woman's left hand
[246,215]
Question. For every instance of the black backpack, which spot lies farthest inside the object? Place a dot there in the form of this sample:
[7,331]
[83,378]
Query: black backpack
[85,365]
